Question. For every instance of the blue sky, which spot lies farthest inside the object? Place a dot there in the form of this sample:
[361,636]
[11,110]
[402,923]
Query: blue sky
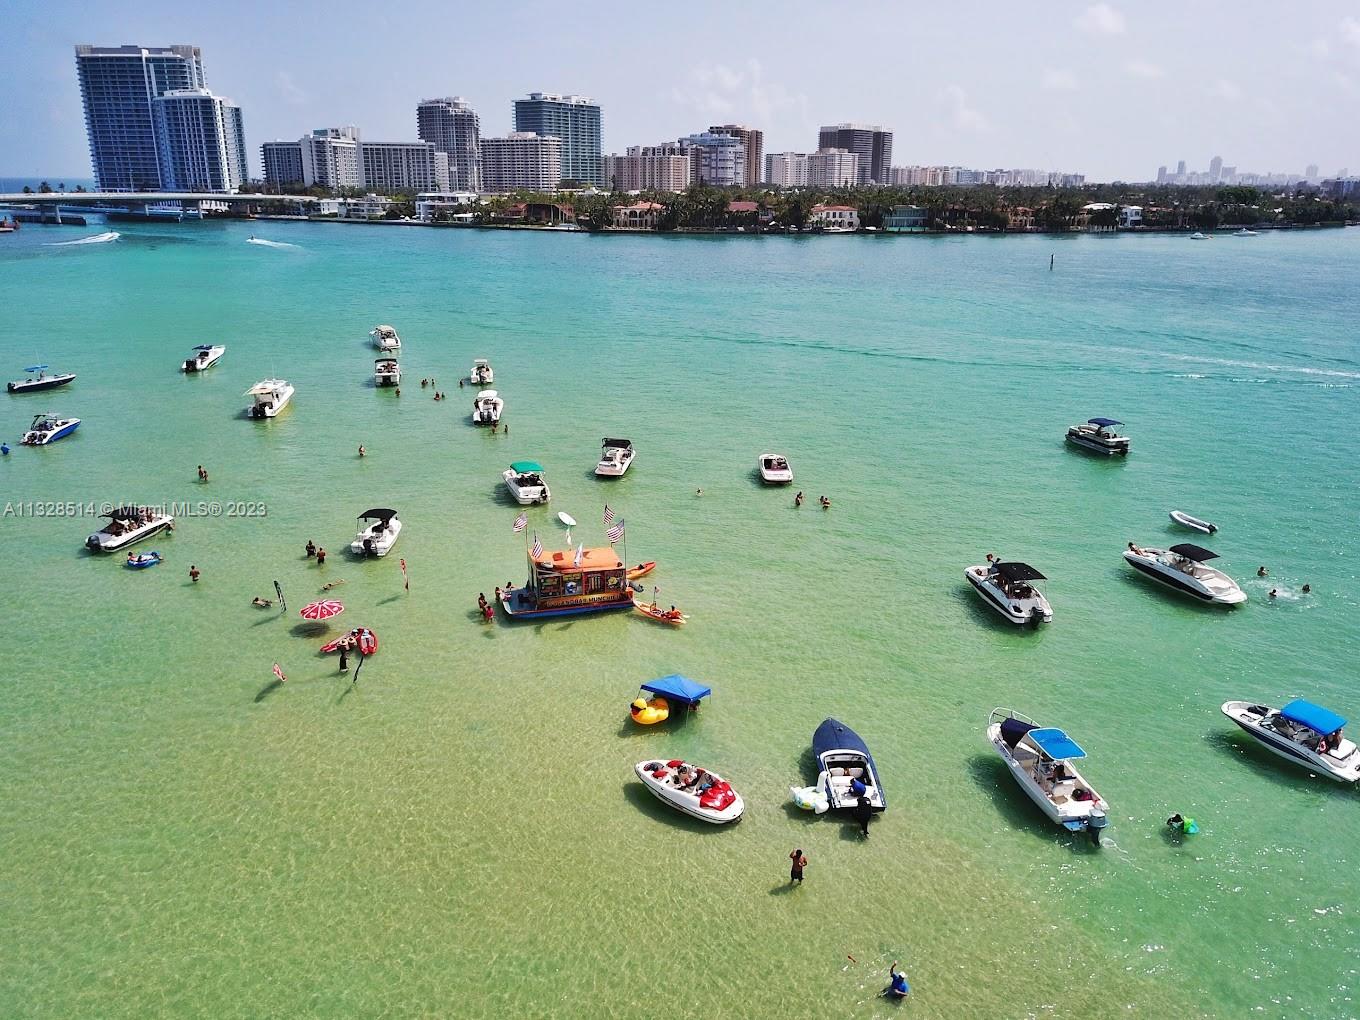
[1112,88]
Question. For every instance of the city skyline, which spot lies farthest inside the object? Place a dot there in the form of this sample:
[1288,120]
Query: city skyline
[1101,90]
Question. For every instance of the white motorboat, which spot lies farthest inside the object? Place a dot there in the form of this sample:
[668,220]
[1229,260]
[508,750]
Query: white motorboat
[385,339]
[487,406]
[270,396]
[846,768]
[48,428]
[1183,567]
[38,379]
[774,469]
[386,372]
[204,356]
[615,457]
[525,482]
[379,533]
[481,374]
[1198,236]
[127,526]
[693,791]
[1304,733]
[1244,232]
[1098,435]
[1041,759]
[1009,589]
[1185,520]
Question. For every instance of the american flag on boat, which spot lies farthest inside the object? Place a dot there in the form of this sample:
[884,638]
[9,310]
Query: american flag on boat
[537,550]
[279,673]
[580,552]
[521,522]
[615,533]
[608,516]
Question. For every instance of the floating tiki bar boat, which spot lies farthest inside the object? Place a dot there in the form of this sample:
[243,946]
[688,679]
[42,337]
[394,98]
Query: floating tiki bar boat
[568,582]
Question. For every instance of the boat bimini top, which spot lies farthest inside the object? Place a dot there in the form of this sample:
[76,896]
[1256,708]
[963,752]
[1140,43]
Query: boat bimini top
[1052,743]
[1190,551]
[1018,572]
[1315,717]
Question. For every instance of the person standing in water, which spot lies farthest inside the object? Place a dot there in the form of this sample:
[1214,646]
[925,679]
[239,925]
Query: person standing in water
[193,573]
[897,982]
[799,863]
[344,658]
[798,499]
[863,812]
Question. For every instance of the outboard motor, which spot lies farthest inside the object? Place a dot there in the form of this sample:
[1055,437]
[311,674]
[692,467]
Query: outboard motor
[368,547]
[1097,822]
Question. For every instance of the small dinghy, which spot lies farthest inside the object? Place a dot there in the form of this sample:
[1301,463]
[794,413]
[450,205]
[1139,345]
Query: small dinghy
[693,791]
[140,561]
[1185,520]
[360,637]
[652,611]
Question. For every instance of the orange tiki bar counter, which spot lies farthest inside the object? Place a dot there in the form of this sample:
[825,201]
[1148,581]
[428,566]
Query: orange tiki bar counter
[559,585]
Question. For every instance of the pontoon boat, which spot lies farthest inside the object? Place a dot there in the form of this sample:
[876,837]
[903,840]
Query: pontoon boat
[1098,435]
[386,372]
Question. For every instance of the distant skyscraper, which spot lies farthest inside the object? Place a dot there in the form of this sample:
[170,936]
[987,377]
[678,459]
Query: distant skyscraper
[648,168]
[718,159]
[1312,172]
[282,163]
[833,168]
[1161,175]
[870,143]
[573,119]
[454,128]
[521,161]
[200,140]
[403,166]
[787,169]
[1215,169]
[199,137]
[754,140]
[1180,168]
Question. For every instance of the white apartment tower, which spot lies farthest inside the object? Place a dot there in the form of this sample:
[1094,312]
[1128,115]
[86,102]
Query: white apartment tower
[201,141]
[521,161]
[453,127]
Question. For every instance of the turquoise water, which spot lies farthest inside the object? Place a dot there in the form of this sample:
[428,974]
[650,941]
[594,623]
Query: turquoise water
[460,832]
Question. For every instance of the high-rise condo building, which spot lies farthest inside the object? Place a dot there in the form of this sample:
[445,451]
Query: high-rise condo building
[1311,173]
[282,163]
[833,168]
[403,166]
[454,128]
[336,158]
[118,88]
[787,169]
[754,140]
[521,161]
[1216,169]
[718,159]
[573,119]
[648,168]
[869,142]
[201,141]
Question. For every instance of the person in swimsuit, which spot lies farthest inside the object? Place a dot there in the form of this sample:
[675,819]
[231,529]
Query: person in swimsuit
[799,860]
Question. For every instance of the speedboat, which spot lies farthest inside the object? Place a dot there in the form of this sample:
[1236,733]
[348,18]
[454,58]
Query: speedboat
[386,372]
[481,374]
[1098,434]
[1040,760]
[847,769]
[1183,567]
[140,561]
[1306,734]
[487,406]
[1244,232]
[378,534]
[693,791]
[271,397]
[774,469]
[1194,523]
[128,525]
[1008,588]
[40,381]
[204,356]
[525,482]
[615,457]
[48,428]
[385,339]
[1198,236]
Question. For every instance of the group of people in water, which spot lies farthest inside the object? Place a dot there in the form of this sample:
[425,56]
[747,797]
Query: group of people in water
[823,500]
[315,551]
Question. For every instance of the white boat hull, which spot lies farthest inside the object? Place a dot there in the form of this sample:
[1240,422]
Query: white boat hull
[1341,764]
[614,466]
[685,802]
[102,541]
[487,408]
[1031,609]
[1206,584]
[1194,523]
[204,360]
[270,406]
[774,470]
[526,495]
[382,538]
[1061,808]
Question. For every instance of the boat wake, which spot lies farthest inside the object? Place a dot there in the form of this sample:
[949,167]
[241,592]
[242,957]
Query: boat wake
[112,235]
[270,244]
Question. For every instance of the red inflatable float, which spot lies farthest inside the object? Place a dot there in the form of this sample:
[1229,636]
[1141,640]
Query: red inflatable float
[361,637]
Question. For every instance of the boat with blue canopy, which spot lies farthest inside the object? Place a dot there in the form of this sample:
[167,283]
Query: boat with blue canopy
[38,379]
[1301,732]
[1040,759]
[1099,436]
[847,770]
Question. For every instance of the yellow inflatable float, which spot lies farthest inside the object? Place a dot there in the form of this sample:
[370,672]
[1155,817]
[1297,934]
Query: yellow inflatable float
[650,712]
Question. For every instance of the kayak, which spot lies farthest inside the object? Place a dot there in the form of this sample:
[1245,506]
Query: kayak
[641,570]
[143,560]
[367,641]
[1183,518]
[660,615]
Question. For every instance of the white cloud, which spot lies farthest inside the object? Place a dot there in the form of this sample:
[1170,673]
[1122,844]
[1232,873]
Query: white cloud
[1101,19]
[1224,89]
[716,90]
[1144,69]
[1059,79]
[965,117]
[290,91]
[1350,30]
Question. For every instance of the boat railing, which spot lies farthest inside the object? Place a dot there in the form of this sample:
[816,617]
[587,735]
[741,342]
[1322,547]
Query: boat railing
[999,714]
